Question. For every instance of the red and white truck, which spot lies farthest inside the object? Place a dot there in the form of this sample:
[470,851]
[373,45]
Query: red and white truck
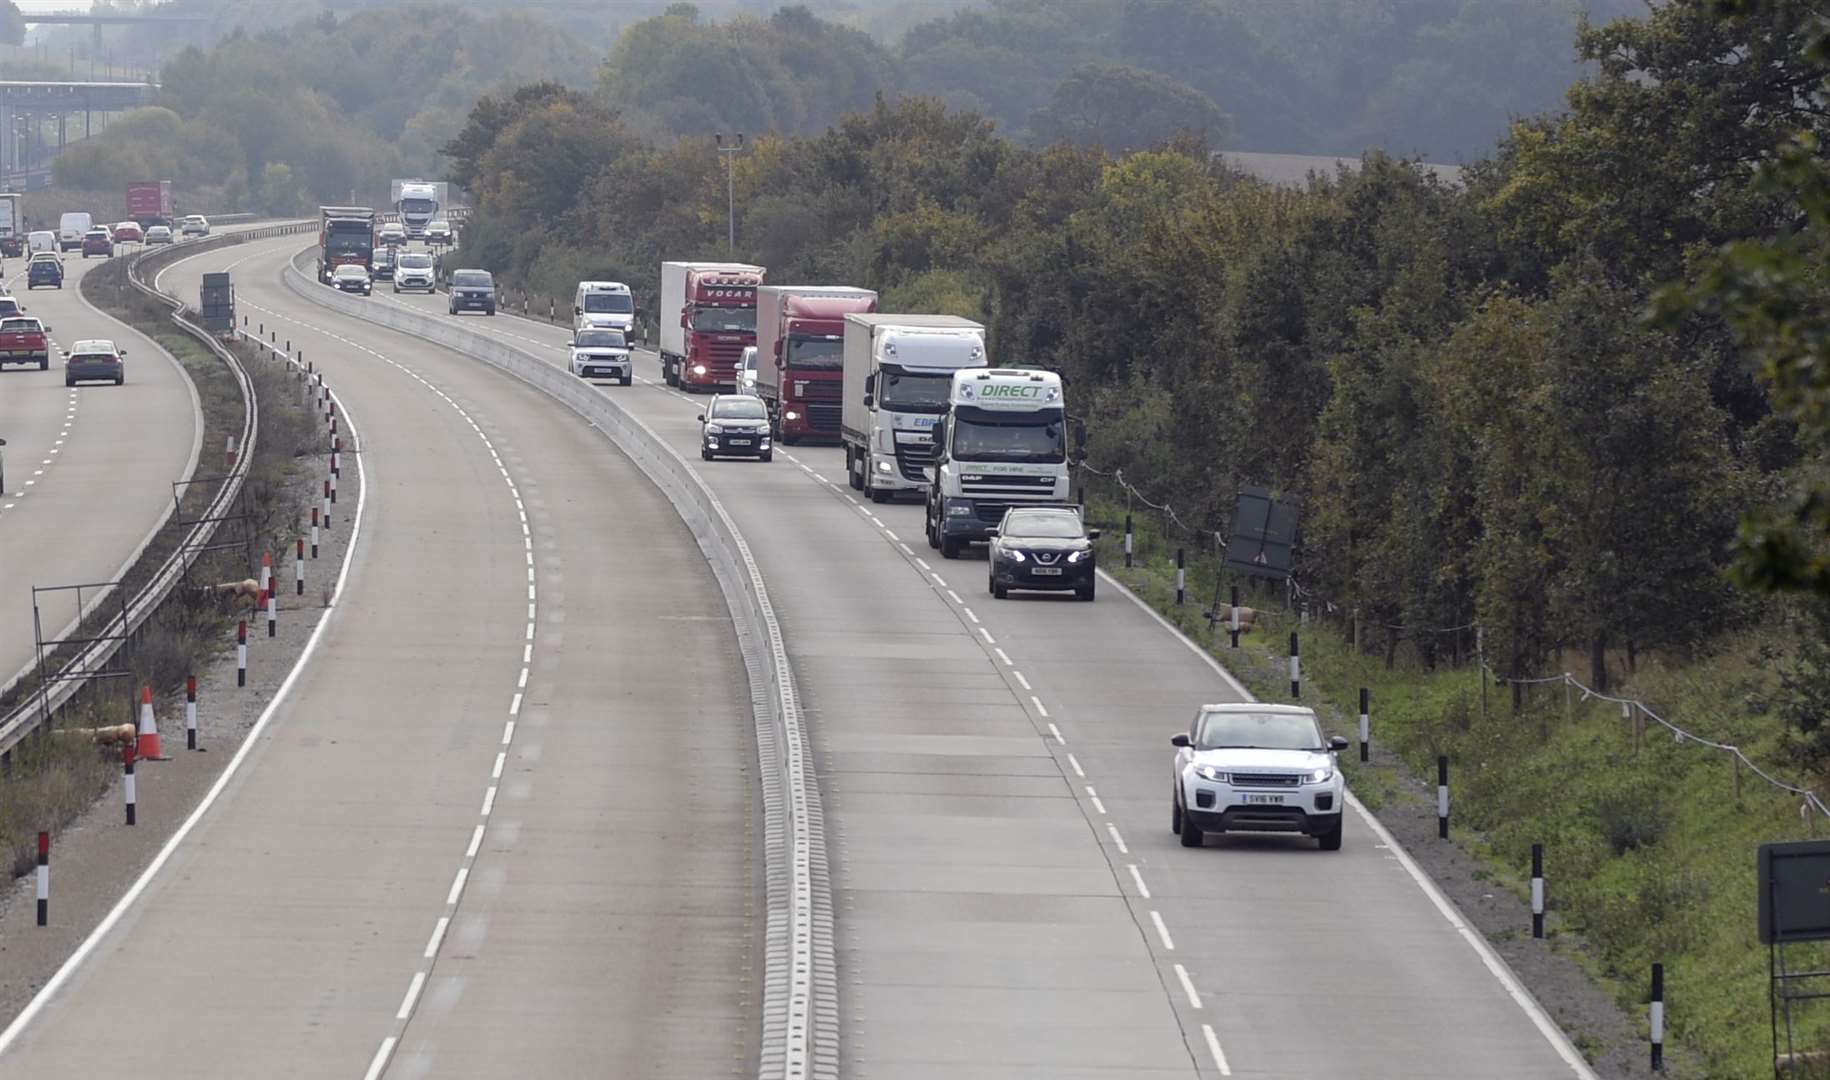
[800,355]
[707,317]
[23,340]
[12,225]
[149,202]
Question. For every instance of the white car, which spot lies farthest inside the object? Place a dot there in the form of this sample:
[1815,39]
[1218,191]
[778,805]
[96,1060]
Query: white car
[392,234]
[746,372]
[414,270]
[194,225]
[602,354]
[1251,767]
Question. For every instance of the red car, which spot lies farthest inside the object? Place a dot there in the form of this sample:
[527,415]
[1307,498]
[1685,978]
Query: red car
[128,231]
[97,241]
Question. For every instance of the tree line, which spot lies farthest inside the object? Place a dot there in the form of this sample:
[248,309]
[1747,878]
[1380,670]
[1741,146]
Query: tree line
[1462,383]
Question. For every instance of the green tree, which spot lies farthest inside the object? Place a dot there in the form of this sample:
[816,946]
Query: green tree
[1121,109]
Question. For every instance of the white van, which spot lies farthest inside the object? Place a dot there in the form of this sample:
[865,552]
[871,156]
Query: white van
[43,240]
[604,305]
[70,229]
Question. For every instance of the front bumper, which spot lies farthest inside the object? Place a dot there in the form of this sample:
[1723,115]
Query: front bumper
[601,367]
[1031,574]
[1310,809]
[363,289]
[413,282]
[738,444]
[462,302]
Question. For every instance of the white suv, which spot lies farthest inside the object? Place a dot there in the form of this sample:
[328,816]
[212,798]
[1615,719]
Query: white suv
[1249,767]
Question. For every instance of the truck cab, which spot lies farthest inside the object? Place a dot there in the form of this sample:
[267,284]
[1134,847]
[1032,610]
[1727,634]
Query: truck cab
[1001,444]
[800,346]
[899,372]
[708,317]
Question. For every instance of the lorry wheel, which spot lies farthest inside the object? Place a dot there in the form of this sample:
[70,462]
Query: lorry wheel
[949,548]
[878,495]
[854,472]
[791,440]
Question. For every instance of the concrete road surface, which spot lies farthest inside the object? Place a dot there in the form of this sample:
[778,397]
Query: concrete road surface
[504,822]
[88,470]
[997,778]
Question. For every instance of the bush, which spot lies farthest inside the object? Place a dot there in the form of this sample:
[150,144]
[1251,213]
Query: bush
[1631,818]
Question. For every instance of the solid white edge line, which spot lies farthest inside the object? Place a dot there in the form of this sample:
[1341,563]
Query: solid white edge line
[253,738]
[1508,981]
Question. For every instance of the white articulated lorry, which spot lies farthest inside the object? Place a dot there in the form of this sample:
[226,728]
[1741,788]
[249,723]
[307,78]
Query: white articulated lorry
[898,378]
[418,202]
[1002,443]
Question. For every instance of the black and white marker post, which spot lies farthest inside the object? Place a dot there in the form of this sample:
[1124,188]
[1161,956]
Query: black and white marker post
[1537,890]
[314,532]
[1127,541]
[1296,668]
[327,504]
[1365,722]
[190,712]
[44,879]
[127,785]
[273,614]
[1658,1018]
[1442,798]
[241,653]
[298,567]
[1235,628]
[1181,580]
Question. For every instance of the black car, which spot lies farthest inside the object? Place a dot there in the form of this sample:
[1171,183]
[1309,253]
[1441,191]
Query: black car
[381,267]
[1043,548]
[473,290]
[352,277]
[734,425]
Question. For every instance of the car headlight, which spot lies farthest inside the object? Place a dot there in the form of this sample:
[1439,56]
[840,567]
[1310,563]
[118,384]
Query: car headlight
[1076,556]
[1321,775]
[792,415]
[714,429]
[1016,556]
[1208,772]
[698,369]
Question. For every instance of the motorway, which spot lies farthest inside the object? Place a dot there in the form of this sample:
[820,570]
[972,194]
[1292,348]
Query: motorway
[88,469]
[1010,900]
[502,823]
[997,782]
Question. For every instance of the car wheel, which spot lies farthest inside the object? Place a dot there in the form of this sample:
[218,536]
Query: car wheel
[1192,834]
[1330,840]
[991,583]
[949,548]
[627,379]
[1085,592]
[1175,814]
[1000,591]
[704,454]
[767,456]
[69,382]
[120,380]
[44,365]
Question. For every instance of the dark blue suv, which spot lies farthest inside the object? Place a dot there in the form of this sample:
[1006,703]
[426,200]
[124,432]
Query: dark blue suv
[44,271]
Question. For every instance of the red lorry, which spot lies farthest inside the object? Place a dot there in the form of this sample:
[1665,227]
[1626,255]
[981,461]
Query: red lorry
[149,202]
[23,341]
[800,354]
[707,317]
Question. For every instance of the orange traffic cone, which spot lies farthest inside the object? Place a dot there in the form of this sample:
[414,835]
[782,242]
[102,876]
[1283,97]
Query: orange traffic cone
[149,728]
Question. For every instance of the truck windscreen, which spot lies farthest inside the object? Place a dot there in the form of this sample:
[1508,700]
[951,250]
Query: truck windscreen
[417,206]
[609,303]
[824,353]
[730,320]
[907,391]
[349,244]
[983,435]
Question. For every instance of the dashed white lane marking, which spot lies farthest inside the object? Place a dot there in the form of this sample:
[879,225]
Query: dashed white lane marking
[1022,681]
[1118,840]
[413,989]
[489,800]
[380,1060]
[1078,771]
[986,634]
[1137,879]
[438,932]
[1213,1047]
[1043,709]
[1094,796]
[476,844]
[1188,987]
[508,733]
[955,597]
[969,614]
[1060,740]
[457,886]
[1005,657]
[1156,918]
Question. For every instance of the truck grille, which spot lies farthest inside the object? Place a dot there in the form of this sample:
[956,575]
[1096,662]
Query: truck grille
[1004,485]
[823,419]
[824,390]
[911,458]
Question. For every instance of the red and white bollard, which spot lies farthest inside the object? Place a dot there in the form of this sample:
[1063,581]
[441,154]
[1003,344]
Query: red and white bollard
[190,712]
[228,454]
[336,456]
[298,568]
[273,615]
[44,879]
[241,653]
[314,532]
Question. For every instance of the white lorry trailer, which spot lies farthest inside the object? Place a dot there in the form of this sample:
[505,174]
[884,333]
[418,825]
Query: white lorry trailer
[898,378]
[1002,443]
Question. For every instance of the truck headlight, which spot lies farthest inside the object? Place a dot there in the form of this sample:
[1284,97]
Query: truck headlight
[956,510]
[1208,772]
[1321,775]
[698,369]
[883,466]
[792,415]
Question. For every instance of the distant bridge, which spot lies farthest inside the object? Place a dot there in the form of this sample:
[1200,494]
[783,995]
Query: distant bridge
[101,19]
[25,105]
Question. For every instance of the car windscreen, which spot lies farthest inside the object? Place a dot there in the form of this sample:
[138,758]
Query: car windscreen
[472,279]
[600,339]
[1062,526]
[609,303]
[1258,731]
[724,320]
[740,409]
[416,262]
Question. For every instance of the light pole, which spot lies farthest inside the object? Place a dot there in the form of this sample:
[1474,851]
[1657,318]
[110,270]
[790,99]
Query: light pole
[729,150]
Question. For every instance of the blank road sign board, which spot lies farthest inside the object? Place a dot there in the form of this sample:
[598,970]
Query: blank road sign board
[1795,892]
[1264,534]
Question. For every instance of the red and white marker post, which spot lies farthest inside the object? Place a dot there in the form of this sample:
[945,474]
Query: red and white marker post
[314,532]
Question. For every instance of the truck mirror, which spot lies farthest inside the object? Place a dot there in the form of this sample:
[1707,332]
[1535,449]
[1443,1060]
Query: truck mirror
[686,319]
[777,349]
[1080,435]
[576,310]
[869,402]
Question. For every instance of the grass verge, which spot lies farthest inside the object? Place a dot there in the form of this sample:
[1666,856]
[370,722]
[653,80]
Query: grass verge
[1649,843]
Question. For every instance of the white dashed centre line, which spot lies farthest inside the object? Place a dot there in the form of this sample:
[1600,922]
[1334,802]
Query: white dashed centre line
[1188,987]
[1169,945]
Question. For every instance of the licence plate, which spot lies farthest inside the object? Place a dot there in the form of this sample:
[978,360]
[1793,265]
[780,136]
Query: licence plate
[740,442]
[1047,571]
[1264,800]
